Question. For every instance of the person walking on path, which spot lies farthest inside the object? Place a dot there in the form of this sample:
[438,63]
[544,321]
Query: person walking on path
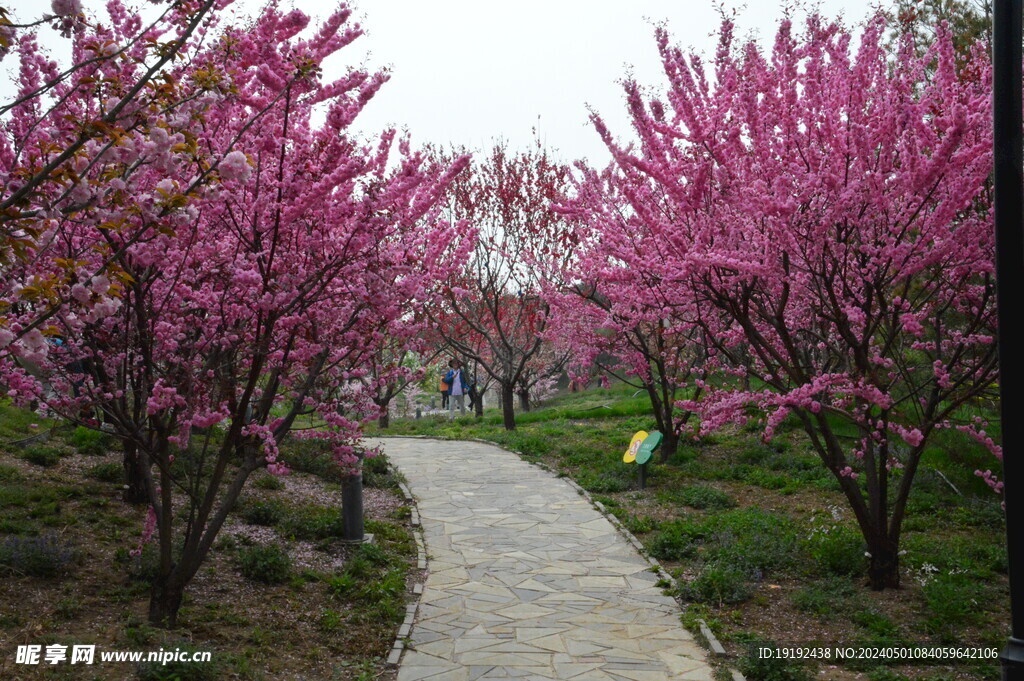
[458,389]
[445,392]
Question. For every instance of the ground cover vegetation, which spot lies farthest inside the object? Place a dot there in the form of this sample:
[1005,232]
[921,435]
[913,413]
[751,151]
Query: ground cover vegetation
[280,595]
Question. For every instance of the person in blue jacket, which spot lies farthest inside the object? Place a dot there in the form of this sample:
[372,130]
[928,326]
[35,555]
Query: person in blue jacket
[458,387]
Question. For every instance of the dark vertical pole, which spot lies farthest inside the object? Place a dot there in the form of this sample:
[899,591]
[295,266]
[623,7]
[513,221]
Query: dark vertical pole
[352,507]
[1009,159]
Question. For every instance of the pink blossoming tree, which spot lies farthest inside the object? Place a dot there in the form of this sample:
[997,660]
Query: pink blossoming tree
[618,306]
[824,216]
[263,306]
[494,314]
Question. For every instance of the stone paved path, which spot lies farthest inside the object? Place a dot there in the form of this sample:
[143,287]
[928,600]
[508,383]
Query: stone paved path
[528,581]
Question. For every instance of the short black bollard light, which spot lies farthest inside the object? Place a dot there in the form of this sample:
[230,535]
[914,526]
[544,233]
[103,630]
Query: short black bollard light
[352,509]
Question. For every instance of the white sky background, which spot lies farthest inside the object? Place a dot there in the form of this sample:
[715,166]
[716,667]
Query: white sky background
[470,72]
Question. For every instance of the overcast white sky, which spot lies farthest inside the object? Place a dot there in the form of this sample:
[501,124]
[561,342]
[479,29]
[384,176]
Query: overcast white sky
[472,71]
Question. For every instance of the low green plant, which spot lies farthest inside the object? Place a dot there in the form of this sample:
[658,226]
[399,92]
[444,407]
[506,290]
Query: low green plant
[90,442]
[312,522]
[877,624]
[838,550]
[107,472]
[753,540]
[269,564]
[640,525]
[886,674]
[44,556]
[69,607]
[718,584]
[706,498]
[142,567]
[268,482]
[605,483]
[826,597]
[331,620]
[42,455]
[10,474]
[266,512]
[675,541]
[952,602]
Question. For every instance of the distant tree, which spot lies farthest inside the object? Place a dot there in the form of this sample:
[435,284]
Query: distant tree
[968,21]
[494,313]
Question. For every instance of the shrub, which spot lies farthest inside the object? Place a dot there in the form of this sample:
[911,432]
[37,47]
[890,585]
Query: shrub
[90,442]
[10,474]
[107,472]
[269,482]
[719,584]
[751,539]
[641,525]
[267,512]
[313,522]
[42,455]
[269,564]
[825,597]
[675,541]
[838,551]
[706,498]
[952,601]
[43,556]
[604,483]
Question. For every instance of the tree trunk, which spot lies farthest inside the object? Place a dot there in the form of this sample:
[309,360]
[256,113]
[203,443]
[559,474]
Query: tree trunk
[164,602]
[524,400]
[478,406]
[669,445]
[508,406]
[384,419]
[135,487]
[884,564]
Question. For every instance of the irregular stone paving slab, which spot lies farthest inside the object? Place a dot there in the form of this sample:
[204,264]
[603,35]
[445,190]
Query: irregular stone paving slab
[528,581]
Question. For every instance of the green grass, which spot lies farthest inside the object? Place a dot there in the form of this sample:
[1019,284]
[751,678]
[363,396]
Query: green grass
[16,424]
